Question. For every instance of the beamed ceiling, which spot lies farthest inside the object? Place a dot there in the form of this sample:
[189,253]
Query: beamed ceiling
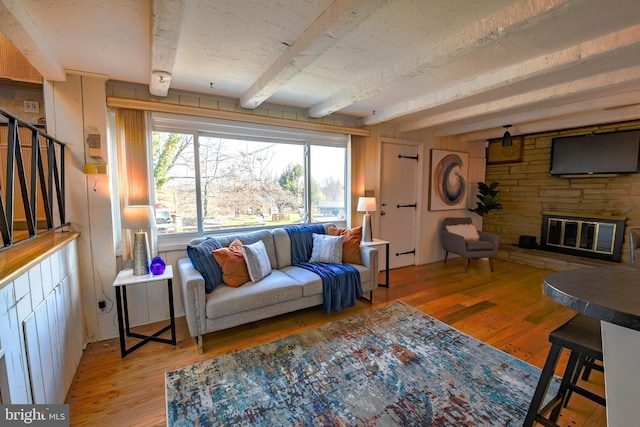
[458,67]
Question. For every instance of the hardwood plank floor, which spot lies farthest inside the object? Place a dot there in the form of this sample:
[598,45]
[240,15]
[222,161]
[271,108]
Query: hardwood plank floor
[505,308]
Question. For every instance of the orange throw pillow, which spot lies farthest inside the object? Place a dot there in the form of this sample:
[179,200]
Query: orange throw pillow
[231,260]
[351,244]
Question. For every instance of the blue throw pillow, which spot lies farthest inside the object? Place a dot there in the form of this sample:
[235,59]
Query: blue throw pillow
[203,261]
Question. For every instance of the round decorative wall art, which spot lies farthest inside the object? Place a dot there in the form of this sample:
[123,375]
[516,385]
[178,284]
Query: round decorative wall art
[448,180]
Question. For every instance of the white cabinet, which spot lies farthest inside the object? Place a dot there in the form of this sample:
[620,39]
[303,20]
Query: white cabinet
[14,383]
[41,335]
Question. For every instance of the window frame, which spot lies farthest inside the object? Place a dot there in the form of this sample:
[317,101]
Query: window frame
[200,126]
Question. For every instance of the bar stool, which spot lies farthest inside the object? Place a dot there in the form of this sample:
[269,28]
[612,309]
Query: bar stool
[581,335]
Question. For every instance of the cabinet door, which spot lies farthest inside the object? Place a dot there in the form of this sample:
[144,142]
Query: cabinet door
[14,386]
[42,352]
[33,357]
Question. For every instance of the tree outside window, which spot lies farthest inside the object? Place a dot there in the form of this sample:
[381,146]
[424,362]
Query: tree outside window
[207,182]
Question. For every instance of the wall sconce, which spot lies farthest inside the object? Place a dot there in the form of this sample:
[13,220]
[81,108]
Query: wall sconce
[506,138]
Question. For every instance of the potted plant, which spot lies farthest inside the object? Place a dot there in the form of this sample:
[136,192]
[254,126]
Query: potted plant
[488,198]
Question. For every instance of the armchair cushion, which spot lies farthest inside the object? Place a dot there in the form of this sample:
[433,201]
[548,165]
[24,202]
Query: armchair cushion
[479,245]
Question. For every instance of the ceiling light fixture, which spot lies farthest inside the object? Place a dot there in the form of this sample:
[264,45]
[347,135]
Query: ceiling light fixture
[159,83]
[506,138]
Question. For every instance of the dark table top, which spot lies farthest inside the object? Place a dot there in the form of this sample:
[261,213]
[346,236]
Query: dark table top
[611,294]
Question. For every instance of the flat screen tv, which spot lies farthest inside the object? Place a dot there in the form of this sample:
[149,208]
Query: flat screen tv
[613,152]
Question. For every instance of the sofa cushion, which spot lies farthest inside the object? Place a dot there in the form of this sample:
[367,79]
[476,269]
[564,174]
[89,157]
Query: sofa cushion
[351,244]
[327,248]
[277,287]
[311,282]
[234,267]
[257,260]
[283,247]
[202,260]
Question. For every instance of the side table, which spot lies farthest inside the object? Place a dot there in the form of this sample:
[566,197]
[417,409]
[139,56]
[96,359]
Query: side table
[379,242]
[126,278]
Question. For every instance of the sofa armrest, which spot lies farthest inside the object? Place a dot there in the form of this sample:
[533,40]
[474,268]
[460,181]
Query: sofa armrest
[193,296]
[369,258]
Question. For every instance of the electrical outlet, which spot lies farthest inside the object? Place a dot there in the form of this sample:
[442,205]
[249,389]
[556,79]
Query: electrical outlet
[31,107]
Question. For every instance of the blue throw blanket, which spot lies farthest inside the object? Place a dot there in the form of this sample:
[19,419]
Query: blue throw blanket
[301,237]
[340,282]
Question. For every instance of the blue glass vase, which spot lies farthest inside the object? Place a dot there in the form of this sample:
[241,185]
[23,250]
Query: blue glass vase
[157,266]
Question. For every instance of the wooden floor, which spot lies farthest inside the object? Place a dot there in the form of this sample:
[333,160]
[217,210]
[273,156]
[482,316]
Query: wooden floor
[505,309]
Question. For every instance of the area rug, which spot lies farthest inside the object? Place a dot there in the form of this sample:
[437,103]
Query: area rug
[394,366]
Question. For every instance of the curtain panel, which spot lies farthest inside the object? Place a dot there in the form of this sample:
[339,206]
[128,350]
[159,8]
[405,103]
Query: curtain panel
[133,170]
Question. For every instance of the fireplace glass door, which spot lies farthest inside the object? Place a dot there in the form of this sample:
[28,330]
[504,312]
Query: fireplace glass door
[593,237]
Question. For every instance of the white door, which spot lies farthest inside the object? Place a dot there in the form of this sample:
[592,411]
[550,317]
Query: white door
[398,202]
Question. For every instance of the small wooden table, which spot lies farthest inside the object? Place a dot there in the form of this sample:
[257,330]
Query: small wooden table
[379,242]
[126,278]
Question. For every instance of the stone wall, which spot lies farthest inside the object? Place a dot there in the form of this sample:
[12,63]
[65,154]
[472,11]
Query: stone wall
[527,190]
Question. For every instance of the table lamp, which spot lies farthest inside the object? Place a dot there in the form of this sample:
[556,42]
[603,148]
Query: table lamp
[139,217]
[366,205]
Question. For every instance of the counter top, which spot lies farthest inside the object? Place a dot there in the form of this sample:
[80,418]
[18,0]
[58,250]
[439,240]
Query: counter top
[18,259]
[611,294]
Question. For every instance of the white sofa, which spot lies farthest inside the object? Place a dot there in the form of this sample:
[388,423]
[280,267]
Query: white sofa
[287,288]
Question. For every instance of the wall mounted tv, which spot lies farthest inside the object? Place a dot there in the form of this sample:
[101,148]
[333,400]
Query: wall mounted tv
[599,153]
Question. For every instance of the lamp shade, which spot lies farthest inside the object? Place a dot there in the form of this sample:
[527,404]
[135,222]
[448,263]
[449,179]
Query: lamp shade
[367,204]
[138,217]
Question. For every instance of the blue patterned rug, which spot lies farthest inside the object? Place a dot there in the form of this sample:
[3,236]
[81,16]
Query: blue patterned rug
[394,366]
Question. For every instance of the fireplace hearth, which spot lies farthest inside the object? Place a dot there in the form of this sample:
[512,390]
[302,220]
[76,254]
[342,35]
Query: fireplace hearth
[591,236]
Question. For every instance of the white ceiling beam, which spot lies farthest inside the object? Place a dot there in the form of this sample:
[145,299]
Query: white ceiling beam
[576,87]
[333,24]
[18,26]
[511,19]
[630,96]
[544,64]
[559,123]
[166,23]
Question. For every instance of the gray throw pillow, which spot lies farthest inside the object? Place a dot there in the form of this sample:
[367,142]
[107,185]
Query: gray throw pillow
[327,249]
[257,260]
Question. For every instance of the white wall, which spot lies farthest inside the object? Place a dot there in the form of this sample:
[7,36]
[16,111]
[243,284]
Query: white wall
[429,248]
[74,108]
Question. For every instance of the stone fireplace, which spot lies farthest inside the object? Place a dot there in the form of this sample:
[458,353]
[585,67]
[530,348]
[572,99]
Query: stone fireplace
[591,236]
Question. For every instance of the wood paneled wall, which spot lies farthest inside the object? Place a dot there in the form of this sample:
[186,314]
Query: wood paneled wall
[14,66]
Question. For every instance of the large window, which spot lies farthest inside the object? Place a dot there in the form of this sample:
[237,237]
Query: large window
[214,175]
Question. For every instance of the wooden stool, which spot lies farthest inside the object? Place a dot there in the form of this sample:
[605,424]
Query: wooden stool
[581,335]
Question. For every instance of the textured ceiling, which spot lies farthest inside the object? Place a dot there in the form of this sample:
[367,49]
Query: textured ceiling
[455,66]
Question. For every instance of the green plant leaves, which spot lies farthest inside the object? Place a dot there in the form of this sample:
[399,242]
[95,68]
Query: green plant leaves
[488,199]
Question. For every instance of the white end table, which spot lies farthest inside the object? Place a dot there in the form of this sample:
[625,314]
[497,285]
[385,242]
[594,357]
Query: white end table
[126,278]
[379,242]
